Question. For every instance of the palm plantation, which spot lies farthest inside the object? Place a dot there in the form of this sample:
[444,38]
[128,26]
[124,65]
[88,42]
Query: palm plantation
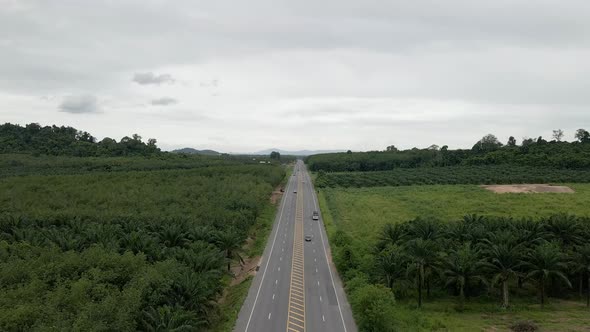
[484,256]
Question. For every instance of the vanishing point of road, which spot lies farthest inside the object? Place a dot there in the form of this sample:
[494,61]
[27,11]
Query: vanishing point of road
[296,288]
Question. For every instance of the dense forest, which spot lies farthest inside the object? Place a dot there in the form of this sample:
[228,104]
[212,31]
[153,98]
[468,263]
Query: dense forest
[487,151]
[118,236]
[475,257]
[68,141]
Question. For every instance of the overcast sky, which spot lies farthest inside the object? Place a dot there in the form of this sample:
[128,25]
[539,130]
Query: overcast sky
[241,76]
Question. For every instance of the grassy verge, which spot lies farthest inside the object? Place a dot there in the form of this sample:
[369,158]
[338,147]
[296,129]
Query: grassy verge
[230,308]
[326,214]
[236,294]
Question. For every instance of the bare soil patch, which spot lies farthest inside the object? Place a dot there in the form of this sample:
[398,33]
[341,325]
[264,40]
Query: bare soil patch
[241,272]
[528,189]
[276,195]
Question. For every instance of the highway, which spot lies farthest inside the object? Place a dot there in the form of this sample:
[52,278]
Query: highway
[297,287]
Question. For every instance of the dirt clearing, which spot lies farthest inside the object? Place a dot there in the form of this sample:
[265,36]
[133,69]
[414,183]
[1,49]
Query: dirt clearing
[528,189]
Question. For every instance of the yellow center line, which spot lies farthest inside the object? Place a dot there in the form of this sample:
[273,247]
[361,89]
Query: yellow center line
[296,312]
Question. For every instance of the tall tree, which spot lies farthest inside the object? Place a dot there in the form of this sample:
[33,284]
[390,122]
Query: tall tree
[391,148]
[511,141]
[487,143]
[582,135]
[558,135]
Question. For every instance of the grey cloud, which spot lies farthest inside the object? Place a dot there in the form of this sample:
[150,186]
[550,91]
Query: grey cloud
[151,78]
[164,101]
[79,104]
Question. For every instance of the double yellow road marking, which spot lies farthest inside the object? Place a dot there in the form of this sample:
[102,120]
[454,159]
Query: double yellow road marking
[296,315]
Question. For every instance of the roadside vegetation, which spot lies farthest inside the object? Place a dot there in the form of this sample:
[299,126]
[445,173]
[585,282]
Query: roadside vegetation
[111,243]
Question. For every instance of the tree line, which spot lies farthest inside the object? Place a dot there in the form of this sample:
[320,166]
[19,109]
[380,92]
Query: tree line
[487,151]
[471,258]
[490,174]
[62,140]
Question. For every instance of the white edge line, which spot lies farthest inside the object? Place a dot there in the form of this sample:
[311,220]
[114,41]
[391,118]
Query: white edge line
[269,256]
[326,254]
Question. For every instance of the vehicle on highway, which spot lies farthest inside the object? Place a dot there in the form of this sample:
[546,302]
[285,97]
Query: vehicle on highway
[308,238]
[315,215]
[294,191]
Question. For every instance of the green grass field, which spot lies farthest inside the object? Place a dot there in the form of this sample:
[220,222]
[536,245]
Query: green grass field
[362,212]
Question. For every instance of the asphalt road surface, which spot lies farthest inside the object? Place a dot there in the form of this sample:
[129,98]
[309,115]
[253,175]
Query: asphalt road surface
[297,287]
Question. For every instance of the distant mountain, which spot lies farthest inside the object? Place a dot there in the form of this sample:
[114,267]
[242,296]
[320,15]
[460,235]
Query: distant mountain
[195,151]
[296,153]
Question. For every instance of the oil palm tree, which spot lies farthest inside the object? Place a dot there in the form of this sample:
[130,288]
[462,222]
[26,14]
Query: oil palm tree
[422,254]
[230,242]
[566,229]
[424,228]
[169,319]
[580,261]
[461,267]
[503,261]
[391,234]
[195,292]
[544,262]
[173,235]
[392,264]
